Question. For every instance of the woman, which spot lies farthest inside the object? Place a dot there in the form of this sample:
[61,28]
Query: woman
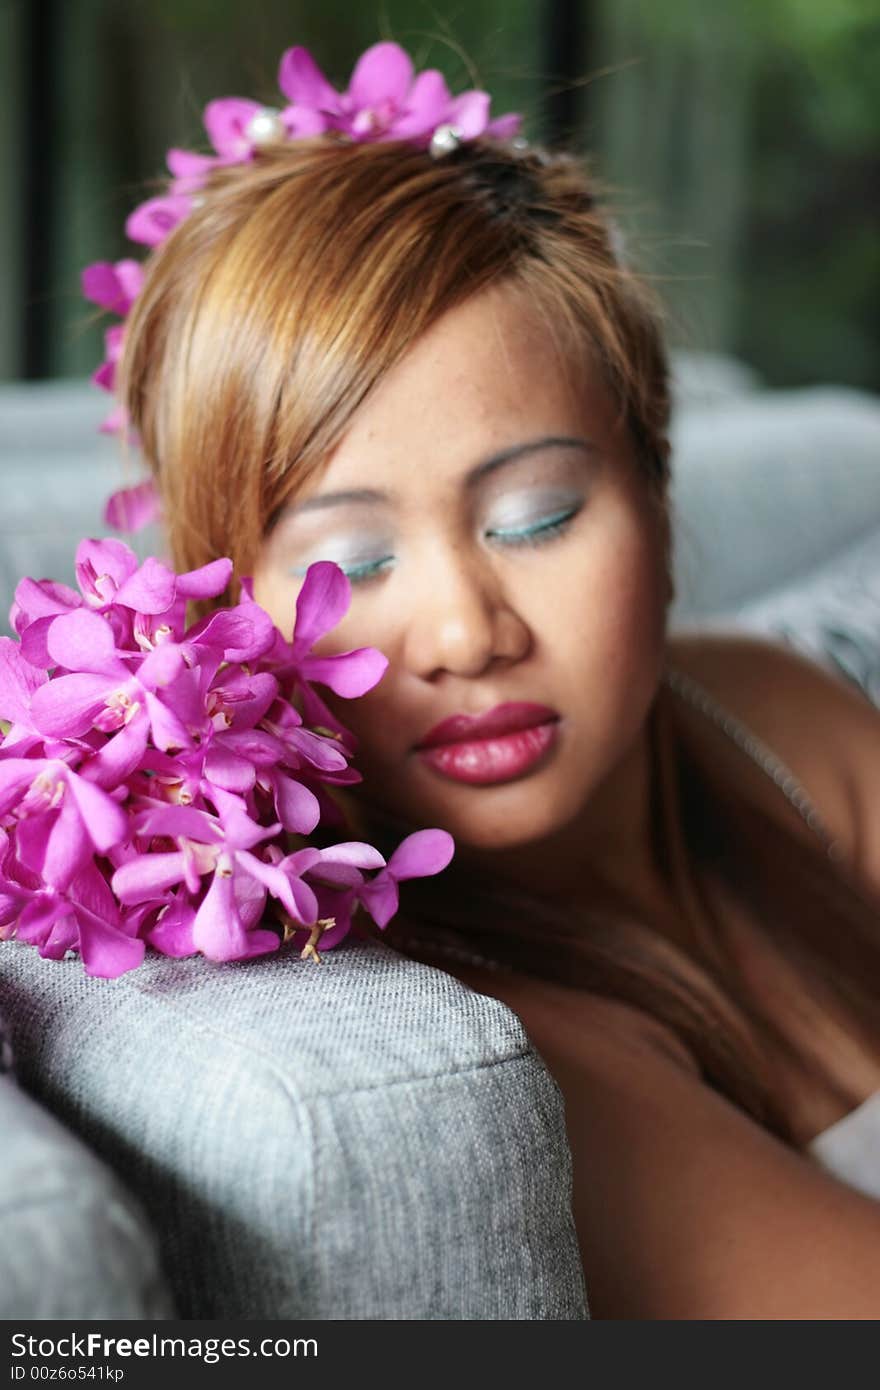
[440,374]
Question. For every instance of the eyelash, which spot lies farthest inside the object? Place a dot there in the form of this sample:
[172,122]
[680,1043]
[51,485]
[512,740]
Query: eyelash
[541,534]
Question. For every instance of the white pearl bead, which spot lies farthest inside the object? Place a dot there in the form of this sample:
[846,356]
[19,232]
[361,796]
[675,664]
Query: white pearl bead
[445,139]
[265,126]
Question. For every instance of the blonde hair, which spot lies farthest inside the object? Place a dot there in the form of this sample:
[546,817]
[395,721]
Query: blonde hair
[270,313]
[268,316]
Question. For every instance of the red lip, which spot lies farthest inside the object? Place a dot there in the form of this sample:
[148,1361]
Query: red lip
[503,719]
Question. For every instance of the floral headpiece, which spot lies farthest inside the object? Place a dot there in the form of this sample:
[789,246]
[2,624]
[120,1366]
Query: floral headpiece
[384,101]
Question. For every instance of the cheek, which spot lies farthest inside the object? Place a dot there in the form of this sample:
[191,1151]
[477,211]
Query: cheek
[606,596]
[277,597]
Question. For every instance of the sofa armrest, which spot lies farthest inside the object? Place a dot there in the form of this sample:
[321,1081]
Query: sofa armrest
[75,1244]
[362,1139]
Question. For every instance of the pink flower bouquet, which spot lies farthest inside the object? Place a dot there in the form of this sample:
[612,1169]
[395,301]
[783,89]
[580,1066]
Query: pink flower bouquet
[154,776]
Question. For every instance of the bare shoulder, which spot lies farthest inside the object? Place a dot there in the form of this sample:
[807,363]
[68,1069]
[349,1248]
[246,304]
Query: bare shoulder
[820,725]
[685,1206]
[561,1020]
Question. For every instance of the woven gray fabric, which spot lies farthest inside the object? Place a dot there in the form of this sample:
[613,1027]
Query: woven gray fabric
[831,614]
[365,1138]
[75,1245]
[765,489]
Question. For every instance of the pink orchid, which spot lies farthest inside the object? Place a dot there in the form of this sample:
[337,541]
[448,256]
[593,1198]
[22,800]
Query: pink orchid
[384,101]
[153,220]
[226,120]
[221,847]
[18,682]
[142,602]
[61,818]
[113,285]
[150,773]
[324,597]
[231,123]
[118,421]
[341,886]
[105,375]
[86,917]
[130,508]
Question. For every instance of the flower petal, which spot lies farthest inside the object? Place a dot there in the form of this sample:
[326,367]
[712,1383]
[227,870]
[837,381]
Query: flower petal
[278,883]
[115,423]
[303,82]
[132,508]
[320,716]
[324,598]
[152,221]
[150,589]
[102,567]
[226,119]
[207,581]
[226,769]
[104,819]
[147,876]
[172,934]
[91,890]
[161,667]
[503,127]
[40,598]
[54,845]
[380,898]
[167,729]
[217,929]
[349,673]
[16,775]
[356,852]
[37,919]
[296,807]
[382,73]
[470,112]
[242,633]
[319,750]
[302,121]
[119,756]
[426,105]
[188,164]
[421,854]
[179,820]
[107,952]
[114,287]
[83,641]
[18,681]
[67,706]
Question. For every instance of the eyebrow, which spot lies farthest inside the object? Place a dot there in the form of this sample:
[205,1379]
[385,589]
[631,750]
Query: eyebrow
[471,478]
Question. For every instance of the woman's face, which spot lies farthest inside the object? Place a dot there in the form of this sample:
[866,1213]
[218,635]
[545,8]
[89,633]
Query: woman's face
[501,546]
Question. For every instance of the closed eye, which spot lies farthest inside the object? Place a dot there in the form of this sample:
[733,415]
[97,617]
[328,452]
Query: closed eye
[541,532]
[548,529]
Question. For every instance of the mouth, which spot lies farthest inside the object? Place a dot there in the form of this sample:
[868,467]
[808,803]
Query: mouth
[512,717]
[499,746]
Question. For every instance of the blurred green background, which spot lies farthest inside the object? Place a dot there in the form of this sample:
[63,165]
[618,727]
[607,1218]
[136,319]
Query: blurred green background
[740,141]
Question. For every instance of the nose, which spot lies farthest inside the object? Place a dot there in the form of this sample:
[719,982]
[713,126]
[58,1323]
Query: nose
[459,619]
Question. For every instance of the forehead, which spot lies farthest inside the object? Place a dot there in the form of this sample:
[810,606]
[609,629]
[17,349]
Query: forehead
[489,374]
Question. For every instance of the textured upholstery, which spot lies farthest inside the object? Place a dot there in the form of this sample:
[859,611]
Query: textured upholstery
[75,1243]
[365,1138]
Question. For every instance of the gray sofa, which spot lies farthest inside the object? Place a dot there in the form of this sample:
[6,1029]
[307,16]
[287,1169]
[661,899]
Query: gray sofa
[74,1239]
[367,1138]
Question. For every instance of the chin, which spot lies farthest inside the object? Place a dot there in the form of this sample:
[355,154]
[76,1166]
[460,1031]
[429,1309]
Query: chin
[513,816]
